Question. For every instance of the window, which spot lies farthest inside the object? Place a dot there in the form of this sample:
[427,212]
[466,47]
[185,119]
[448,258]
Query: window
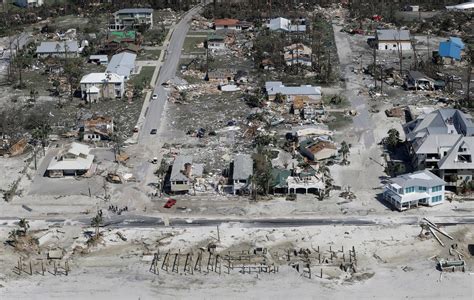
[410,189]
[422,188]
[436,199]
[437,188]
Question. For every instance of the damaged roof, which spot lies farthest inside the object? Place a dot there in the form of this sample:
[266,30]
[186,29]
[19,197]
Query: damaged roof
[177,171]
[243,166]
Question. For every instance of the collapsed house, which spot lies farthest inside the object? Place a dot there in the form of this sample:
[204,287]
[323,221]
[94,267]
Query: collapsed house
[74,160]
[221,75]
[413,189]
[443,142]
[184,174]
[419,81]
[307,107]
[12,146]
[98,128]
[318,149]
[297,54]
[216,42]
[242,171]
[306,182]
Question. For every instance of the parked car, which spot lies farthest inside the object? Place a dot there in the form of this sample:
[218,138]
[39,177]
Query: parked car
[153,131]
[169,203]
[154,97]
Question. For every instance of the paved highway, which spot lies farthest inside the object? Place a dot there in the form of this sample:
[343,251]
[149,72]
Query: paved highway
[136,221]
[167,72]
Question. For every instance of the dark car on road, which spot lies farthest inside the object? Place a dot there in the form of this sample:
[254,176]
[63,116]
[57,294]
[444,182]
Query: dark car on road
[153,131]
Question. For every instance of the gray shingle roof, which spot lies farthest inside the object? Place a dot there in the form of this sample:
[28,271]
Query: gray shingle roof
[441,121]
[243,167]
[436,142]
[420,178]
[451,160]
[393,35]
[57,47]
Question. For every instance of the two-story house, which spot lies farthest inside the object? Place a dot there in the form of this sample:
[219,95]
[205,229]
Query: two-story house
[184,174]
[410,190]
[441,142]
[130,18]
[242,170]
[96,86]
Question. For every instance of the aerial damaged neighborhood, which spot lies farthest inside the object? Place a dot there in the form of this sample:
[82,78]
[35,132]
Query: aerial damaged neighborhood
[213,149]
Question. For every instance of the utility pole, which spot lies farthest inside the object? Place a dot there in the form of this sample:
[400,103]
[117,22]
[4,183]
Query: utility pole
[375,67]
[381,79]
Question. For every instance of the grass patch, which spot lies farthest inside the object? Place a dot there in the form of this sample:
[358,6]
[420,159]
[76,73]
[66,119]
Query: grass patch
[190,44]
[149,55]
[338,121]
[335,101]
[34,80]
[144,76]
[192,79]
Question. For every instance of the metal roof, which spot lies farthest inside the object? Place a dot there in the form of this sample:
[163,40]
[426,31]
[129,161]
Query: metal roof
[275,87]
[58,47]
[101,78]
[420,178]
[462,6]
[122,64]
[243,167]
[284,24]
[393,35]
[451,48]
[101,58]
[82,160]
[135,11]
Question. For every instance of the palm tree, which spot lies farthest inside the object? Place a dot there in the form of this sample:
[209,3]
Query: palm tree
[24,225]
[393,138]
[344,150]
[96,222]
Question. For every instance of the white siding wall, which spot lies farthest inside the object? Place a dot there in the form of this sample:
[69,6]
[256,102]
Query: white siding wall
[405,46]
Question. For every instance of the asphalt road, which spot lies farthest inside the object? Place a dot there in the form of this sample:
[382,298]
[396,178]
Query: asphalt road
[134,221]
[167,72]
